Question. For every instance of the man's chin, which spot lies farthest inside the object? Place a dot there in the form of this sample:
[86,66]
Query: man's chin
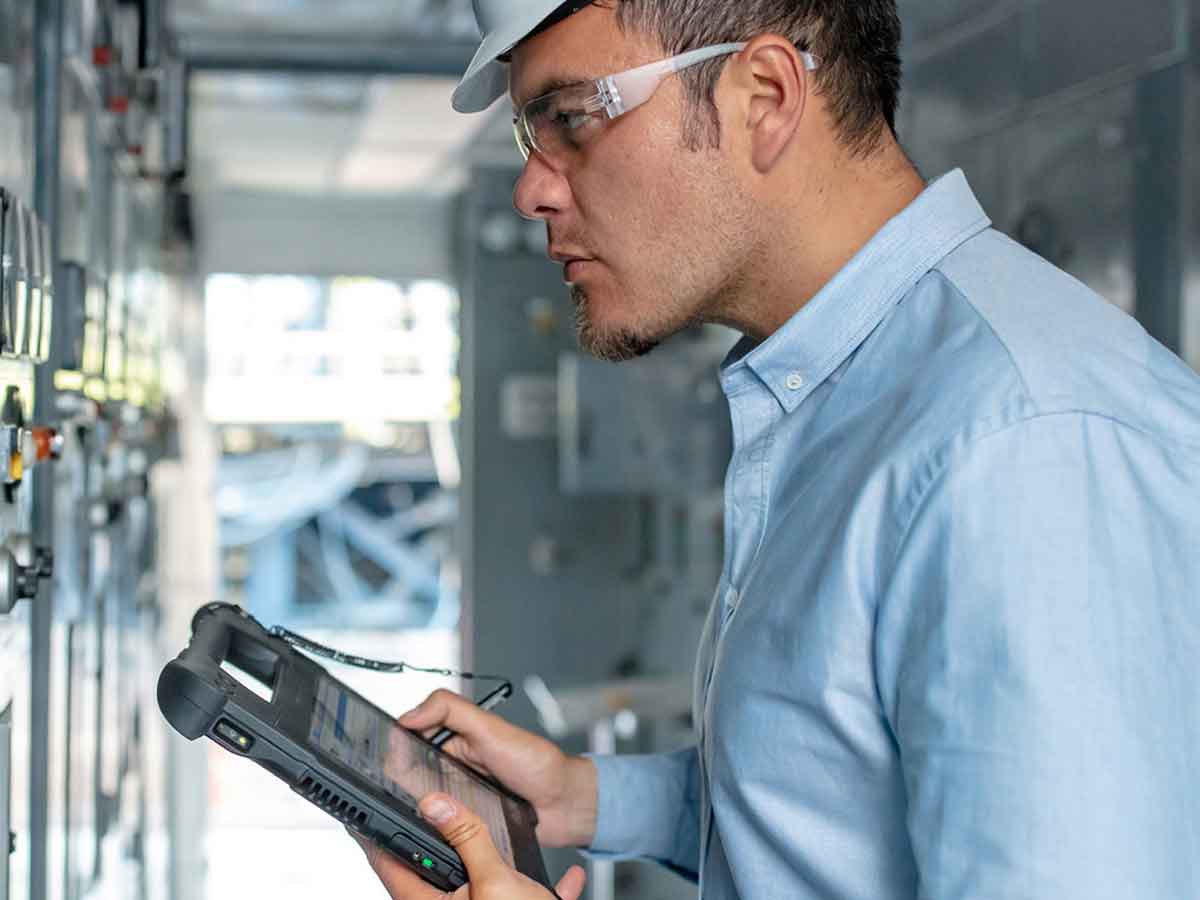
[612,343]
[615,347]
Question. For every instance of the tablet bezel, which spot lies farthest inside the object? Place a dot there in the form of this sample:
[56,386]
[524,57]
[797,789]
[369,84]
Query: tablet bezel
[519,816]
[199,697]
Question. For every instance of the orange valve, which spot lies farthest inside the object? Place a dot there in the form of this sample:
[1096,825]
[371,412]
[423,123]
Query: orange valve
[48,443]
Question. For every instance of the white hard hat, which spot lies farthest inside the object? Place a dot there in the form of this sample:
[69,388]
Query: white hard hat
[503,24]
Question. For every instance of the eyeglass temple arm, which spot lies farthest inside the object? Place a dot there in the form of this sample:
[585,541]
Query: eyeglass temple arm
[618,94]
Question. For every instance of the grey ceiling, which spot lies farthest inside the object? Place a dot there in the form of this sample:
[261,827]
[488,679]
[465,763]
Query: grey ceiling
[450,20]
[320,133]
[347,135]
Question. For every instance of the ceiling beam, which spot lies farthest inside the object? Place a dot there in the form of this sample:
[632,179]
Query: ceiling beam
[222,51]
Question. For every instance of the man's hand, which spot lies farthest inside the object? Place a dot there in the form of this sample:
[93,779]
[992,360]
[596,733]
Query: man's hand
[561,788]
[489,876]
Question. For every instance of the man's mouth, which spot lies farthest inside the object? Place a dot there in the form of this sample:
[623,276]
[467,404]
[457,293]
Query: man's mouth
[574,269]
[574,264]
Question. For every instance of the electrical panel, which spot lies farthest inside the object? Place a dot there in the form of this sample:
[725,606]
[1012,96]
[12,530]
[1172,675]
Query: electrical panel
[83,423]
[657,426]
[26,281]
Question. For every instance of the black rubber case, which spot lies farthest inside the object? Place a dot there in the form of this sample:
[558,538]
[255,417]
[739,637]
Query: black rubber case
[199,698]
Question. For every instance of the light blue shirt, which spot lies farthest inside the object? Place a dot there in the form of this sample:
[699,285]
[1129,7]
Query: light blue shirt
[955,651]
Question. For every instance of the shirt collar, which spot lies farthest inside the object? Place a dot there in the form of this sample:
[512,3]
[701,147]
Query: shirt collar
[816,340]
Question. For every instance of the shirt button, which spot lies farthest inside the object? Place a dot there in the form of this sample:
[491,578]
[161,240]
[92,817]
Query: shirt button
[795,381]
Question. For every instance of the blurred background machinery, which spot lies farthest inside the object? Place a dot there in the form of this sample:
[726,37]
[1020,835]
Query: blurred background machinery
[271,332]
[88,281]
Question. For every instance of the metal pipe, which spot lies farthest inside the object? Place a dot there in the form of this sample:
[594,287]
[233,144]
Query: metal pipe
[272,53]
[1159,212]
[176,117]
[602,740]
[48,41]
[48,28]
[152,33]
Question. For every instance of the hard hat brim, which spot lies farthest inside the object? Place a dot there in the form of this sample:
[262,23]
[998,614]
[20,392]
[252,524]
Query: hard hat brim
[485,81]
[486,78]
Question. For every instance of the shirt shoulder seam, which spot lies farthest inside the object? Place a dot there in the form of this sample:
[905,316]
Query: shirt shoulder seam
[941,460]
[944,457]
[954,286]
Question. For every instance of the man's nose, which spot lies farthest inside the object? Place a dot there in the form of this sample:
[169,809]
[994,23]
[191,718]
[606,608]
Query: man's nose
[541,192]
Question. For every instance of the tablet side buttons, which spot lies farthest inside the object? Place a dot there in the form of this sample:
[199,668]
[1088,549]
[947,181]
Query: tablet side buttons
[403,846]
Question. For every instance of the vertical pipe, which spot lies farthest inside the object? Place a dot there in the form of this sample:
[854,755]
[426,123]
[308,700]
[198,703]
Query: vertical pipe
[1158,217]
[175,113]
[48,28]
[1191,195]
[48,52]
[602,884]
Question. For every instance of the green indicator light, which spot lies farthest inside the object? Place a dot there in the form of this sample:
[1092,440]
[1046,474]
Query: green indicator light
[427,862]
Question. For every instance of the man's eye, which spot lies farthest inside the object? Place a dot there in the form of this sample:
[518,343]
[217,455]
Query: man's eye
[571,119]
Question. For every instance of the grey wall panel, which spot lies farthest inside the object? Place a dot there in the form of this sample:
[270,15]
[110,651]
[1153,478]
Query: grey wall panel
[968,82]
[542,578]
[552,583]
[1191,164]
[1160,201]
[990,163]
[649,426]
[1080,151]
[1069,43]
[1194,40]
[607,572]
[926,19]
[1074,199]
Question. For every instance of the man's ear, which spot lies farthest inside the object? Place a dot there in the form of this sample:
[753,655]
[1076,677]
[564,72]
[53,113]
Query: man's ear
[771,75]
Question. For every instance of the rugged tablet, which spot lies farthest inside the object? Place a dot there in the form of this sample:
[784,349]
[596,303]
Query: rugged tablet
[332,746]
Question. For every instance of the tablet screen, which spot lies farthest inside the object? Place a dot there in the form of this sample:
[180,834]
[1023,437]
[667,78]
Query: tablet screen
[362,738]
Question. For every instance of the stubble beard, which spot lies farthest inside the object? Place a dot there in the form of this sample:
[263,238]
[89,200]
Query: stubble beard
[611,345]
[695,291]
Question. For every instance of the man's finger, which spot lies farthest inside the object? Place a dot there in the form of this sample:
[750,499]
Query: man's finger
[445,709]
[570,886]
[435,711]
[466,833]
[399,881]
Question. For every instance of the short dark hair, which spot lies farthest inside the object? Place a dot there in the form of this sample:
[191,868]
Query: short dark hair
[857,42]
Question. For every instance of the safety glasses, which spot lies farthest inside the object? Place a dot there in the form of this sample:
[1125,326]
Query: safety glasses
[561,122]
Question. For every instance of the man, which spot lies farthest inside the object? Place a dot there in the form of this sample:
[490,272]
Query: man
[954,650]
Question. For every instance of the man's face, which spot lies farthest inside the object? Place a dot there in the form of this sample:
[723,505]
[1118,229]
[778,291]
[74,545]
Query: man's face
[654,236]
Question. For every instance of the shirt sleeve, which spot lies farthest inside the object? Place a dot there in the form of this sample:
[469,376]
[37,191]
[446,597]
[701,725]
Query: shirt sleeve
[649,808]
[1037,650]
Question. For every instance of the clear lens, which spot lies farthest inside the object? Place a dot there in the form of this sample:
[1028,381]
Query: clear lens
[558,123]
[522,141]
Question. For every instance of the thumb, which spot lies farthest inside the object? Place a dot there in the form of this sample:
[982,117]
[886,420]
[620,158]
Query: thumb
[466,833]
[571,884]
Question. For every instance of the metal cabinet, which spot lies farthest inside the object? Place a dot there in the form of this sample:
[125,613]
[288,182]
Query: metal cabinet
[1070,120]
